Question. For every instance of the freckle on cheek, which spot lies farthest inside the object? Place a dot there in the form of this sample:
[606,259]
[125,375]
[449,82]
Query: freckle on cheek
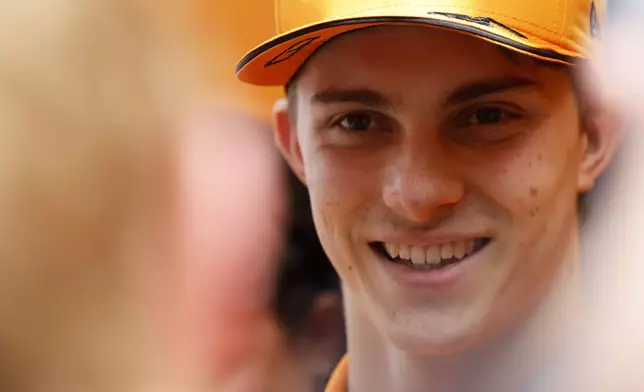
[350,268]
[534,191]
[539,157]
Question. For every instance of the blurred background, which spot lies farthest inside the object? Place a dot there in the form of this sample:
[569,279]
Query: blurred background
[308,301]
[240,25]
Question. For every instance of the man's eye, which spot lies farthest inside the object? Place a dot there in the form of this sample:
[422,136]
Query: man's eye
[489,116]
[357,122]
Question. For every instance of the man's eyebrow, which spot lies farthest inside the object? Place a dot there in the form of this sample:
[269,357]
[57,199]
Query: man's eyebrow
[464,93]
[359,95]
[481,88]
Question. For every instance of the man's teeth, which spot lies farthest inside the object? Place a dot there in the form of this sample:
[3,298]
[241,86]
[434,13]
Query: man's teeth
[431,255]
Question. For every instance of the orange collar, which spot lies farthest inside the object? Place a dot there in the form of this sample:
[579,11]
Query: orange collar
[339,381]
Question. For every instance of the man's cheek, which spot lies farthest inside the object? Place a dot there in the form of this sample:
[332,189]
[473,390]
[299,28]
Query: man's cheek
[341,185]
[527,183]
[339,198]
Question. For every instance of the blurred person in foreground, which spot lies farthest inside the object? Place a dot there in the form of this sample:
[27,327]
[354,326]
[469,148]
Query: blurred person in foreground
[609,352]
[131,253]
[446,147]
[143,225]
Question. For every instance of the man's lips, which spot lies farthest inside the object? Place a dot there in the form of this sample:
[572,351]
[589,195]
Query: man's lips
[430,257]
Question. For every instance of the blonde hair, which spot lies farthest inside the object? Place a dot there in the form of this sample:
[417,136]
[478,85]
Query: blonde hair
[89,92]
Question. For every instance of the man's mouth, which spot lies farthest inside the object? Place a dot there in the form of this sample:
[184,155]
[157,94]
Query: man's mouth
[430,257]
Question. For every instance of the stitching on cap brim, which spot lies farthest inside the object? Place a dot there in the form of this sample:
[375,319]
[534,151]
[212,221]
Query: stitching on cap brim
[545,53]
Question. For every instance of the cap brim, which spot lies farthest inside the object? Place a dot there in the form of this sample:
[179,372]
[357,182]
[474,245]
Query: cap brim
[274,62]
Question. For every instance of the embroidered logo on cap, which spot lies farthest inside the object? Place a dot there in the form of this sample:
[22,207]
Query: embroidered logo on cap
[291,51]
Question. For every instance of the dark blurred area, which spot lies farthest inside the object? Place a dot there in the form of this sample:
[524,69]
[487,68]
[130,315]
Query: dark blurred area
[307,272]
[308,301]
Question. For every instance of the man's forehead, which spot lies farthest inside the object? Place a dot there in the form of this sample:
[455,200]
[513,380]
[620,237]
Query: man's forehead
[466,92]
[378,54]
[420,75]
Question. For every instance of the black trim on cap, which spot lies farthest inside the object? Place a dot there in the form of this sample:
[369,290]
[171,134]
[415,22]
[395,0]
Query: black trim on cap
[404,19]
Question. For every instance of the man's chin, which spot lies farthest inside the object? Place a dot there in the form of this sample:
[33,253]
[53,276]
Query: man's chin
[433,341]
[423,347]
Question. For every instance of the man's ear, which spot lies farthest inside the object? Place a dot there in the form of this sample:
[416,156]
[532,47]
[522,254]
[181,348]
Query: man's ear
[602,132]
[602,125]
[286,138]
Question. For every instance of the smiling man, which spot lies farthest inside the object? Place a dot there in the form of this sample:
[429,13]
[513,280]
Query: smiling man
[445,145]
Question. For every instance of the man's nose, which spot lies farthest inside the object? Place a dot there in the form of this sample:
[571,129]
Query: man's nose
[422,186]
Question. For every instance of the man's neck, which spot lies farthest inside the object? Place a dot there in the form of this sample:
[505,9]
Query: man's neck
[510,363]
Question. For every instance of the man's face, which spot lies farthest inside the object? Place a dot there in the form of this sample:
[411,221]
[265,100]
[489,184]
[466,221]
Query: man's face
[443,177]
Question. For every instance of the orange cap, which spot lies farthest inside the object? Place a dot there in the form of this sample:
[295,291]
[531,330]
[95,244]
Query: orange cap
[551,30]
